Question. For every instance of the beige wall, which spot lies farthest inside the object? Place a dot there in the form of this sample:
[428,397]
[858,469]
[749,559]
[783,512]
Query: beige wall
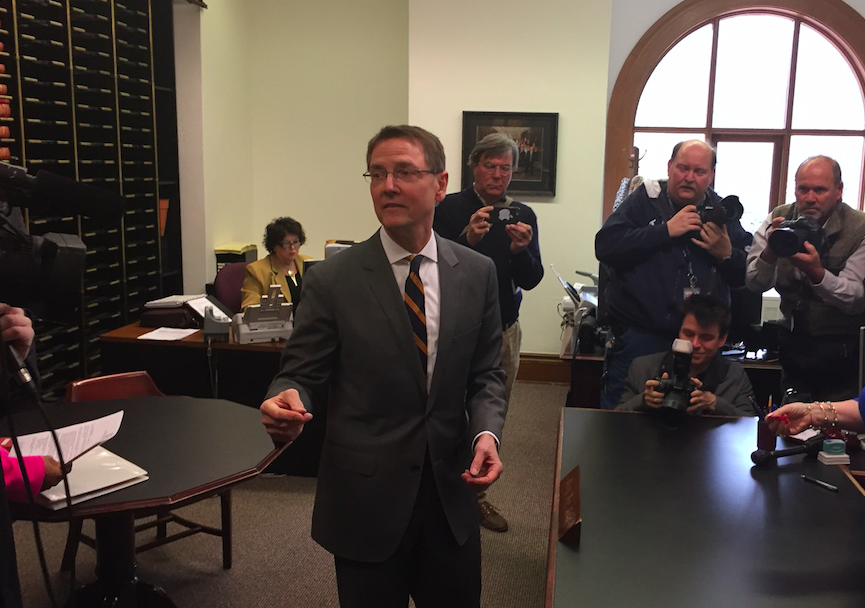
[275,106]
[513,56]
[326,76]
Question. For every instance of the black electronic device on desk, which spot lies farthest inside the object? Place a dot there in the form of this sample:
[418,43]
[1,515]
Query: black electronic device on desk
[184,312]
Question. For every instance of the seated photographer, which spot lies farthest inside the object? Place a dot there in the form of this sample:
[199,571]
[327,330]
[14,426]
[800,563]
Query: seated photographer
[813,253]
[283,239]
[720,387]
[667,240]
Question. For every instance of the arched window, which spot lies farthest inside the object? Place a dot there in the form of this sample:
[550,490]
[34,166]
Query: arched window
[769,87]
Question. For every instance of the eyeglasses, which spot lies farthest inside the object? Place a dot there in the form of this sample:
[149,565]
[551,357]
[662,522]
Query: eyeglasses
[405,176]
[287,244]
[491,168]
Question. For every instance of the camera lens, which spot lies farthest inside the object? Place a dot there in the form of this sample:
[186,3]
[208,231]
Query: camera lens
[784,242]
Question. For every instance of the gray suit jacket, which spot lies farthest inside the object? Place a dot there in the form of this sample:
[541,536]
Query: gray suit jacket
[734,393]
[353,333]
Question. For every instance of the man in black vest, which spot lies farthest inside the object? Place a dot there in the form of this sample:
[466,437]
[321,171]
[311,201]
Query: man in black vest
[822,293]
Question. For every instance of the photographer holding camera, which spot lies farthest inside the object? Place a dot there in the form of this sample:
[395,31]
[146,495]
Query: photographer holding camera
[711,385]
[813,253]
[663,244]
[484,218]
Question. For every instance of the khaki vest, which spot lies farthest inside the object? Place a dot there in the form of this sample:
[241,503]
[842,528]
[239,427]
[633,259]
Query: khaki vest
[844,232]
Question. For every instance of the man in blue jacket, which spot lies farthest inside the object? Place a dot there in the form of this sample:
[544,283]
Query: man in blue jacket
[473,218]
[659,252]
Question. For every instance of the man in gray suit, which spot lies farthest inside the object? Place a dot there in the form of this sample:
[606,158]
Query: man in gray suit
[411,353]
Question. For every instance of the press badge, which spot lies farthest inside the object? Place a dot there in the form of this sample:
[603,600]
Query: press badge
[690,291]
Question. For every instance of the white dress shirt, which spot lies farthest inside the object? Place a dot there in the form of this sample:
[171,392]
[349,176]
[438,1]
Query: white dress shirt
[429,276]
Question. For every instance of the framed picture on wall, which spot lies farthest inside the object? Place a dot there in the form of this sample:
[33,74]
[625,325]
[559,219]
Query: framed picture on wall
[536,135]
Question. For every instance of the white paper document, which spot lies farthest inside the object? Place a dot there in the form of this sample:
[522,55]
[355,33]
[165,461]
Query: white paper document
[97,472]
[167,333]
[74,440]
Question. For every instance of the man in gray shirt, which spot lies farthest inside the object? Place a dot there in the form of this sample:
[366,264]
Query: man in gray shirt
[821,286]
[723,388]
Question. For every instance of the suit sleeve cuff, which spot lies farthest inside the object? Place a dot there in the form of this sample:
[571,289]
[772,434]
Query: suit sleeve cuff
[478,436]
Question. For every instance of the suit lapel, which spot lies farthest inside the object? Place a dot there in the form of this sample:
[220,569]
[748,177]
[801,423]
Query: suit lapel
[383,288]
[449,302]
[277,277]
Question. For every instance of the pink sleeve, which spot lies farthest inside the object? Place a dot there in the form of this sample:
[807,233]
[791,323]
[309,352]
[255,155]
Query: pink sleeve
[35,466]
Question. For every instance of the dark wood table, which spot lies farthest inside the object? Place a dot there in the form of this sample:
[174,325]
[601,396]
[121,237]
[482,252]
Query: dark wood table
[191,448]
[238,372]
[682,518]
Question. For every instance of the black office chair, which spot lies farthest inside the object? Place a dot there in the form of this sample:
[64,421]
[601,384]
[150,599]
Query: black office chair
[121,386]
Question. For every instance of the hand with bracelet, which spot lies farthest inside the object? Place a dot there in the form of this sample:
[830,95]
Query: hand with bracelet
[794,418]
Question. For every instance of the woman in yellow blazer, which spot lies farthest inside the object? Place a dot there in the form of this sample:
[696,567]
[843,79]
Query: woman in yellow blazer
[283,238]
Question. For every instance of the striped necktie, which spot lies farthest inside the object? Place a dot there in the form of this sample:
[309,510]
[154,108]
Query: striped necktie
[414,304]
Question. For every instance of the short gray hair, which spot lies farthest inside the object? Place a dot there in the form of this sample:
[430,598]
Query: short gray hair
[494,144]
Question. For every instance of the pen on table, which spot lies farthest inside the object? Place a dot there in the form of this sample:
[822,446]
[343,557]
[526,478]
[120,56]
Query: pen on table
[821,483]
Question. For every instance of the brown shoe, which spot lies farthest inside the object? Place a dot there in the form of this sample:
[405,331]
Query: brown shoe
[492,519]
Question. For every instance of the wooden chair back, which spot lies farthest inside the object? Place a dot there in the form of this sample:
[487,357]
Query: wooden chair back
[114,386]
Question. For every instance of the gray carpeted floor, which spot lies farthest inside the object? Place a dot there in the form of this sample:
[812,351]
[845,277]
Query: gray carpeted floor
[276,563]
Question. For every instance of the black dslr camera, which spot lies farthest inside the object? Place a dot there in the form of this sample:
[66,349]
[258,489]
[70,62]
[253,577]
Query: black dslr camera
[728,209]
[678,387]
[789,238]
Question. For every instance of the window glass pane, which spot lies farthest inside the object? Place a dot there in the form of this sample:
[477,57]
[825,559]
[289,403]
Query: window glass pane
[745,169]
[827,94]
[655,150]
[753,72]
[664,102]
[847,150]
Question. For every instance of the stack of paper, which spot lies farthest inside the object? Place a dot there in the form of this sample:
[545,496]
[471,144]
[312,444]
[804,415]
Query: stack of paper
[95,471]
[172,301]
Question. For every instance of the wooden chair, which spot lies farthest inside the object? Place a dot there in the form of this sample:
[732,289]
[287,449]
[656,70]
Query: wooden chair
[121,386]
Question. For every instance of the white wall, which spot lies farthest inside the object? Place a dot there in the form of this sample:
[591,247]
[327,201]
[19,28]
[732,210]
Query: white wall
[510,56]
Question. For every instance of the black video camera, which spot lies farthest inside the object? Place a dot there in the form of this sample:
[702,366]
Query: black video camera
[43,273]
[678,387]
[789,238]
[505,215]
[728,209]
